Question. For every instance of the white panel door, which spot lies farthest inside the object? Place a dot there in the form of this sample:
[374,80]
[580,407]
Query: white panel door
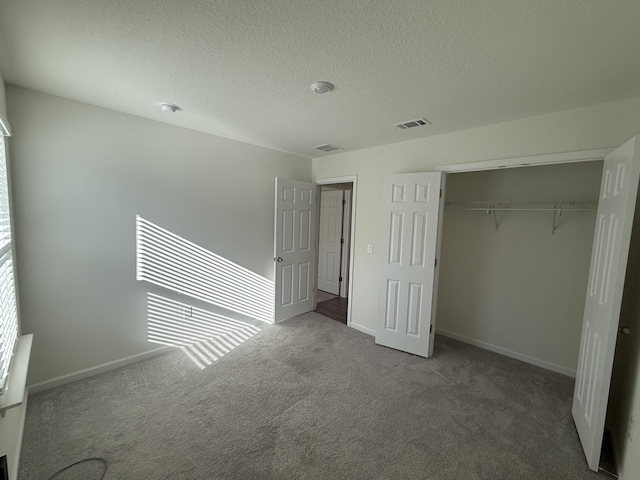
[409,244]
[294,247]
[604,295]
[330,245]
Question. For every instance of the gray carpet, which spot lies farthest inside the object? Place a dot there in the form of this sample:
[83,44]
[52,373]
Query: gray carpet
[313,399]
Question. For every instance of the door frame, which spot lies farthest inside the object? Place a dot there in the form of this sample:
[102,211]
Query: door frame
[353,179]
[345,255]
[530,161]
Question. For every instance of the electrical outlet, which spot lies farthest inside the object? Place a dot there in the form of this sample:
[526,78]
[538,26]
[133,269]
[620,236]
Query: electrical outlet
[370,248]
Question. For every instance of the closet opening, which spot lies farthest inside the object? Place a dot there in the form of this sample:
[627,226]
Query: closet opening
[515,256]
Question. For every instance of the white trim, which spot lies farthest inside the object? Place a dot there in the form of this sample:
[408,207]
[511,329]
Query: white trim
[13,396]
[553,158]
[345,249]
[366,330]
[23,420]
[332,180]
[508,353]
[90,372]
[13,444]
[353,179]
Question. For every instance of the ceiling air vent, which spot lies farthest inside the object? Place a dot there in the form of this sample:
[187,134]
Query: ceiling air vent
[325,147]
[420,122]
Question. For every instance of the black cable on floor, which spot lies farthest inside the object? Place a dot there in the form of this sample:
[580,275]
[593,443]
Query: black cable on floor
[93,459]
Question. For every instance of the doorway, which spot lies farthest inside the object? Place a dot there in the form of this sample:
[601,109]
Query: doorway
[516,245]
[335,247]
[606,278]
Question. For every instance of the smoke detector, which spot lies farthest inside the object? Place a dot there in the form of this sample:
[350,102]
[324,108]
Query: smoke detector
[322,87]
[169,107]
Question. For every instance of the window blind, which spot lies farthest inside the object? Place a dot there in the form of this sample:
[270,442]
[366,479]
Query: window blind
[8,310]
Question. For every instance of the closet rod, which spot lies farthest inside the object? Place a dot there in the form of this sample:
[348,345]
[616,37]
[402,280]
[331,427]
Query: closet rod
[555,206]
[552,204]
[505,209]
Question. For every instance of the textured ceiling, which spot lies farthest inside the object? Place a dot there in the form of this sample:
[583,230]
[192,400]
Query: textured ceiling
[243,69]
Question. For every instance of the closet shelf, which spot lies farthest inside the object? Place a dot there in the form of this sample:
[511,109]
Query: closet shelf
[555,206]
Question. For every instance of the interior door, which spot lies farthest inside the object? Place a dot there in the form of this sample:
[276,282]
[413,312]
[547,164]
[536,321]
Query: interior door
[411,220]
[294,247]
[330,243]
[604,295]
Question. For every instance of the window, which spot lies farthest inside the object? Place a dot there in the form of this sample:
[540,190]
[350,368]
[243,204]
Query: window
[8,310]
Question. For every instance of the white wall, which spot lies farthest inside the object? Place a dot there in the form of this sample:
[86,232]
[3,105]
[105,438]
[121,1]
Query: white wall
[12,424]
[599,126]
[520,288]
[81,174]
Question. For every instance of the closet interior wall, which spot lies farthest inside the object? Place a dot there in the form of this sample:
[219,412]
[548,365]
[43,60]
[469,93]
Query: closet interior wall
[520,289]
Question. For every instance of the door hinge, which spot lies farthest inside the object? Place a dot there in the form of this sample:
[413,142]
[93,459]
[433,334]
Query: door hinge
[440,193]
[339,279]
[344,202]
[430,328]
[435,264]
[342,240]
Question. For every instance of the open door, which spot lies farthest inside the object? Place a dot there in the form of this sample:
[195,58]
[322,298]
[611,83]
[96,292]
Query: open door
[330,241]
[604,295]
[294,248]
[411,220]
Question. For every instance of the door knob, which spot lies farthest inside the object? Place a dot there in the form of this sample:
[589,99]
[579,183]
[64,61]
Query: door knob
[279,259]
[624,330]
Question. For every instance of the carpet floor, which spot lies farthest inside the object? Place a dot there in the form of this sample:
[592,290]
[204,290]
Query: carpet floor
[312,399]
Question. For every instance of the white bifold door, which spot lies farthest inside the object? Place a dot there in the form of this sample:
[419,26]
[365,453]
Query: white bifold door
[330,241]
[294,248]
[409,245]
[614,221]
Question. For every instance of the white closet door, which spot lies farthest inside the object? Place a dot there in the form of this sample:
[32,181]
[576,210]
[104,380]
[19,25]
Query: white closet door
[294,247]
[330,246]
[604,296]
[409,244]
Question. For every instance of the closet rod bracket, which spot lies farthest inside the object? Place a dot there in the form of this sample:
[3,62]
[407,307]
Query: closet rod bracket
[556,206]
[491,210]
[557,213]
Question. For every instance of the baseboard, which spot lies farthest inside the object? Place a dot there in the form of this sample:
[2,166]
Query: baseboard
[508,353]
[90,372]
[366,330]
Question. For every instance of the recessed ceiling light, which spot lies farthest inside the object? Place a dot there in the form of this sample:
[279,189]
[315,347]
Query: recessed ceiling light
[169,107]
[322,87]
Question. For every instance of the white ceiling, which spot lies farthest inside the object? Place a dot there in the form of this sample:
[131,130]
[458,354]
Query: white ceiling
[242,69]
